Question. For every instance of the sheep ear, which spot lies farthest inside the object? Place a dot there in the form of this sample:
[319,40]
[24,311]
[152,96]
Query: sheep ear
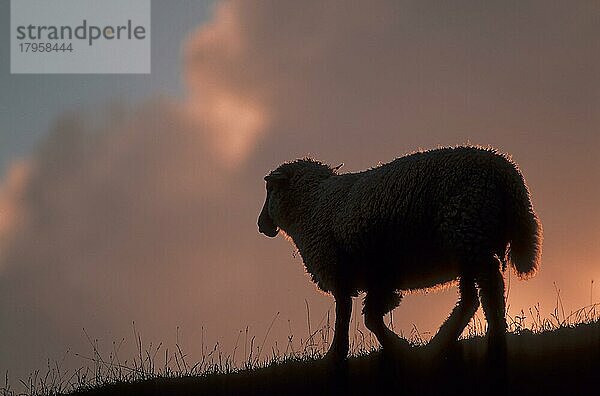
[276,176]
[337,168]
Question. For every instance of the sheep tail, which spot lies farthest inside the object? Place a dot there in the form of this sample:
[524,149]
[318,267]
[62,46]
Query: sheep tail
[524,249]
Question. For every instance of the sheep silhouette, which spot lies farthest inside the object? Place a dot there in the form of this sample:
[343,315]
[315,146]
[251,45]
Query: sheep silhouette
[422,220]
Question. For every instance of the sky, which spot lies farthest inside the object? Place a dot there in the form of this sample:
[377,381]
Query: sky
[134,198]
[31,102]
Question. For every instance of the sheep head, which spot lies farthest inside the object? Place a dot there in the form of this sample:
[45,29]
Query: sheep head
[287,188]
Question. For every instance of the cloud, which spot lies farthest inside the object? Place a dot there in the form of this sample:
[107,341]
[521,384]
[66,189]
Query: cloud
[148,212]
[92,212]
[372,82]
[11,212]
[214,57]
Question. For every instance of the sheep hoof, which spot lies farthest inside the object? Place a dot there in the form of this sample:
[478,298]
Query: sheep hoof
[335,355]
[439,348]
[396,347]
[497,351]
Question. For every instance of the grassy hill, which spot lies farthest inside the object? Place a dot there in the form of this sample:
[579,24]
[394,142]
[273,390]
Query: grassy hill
[560,361]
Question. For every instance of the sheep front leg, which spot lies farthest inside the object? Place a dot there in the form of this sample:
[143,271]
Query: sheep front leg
[341,342]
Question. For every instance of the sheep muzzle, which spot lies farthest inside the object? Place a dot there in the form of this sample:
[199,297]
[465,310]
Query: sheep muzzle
[266,225]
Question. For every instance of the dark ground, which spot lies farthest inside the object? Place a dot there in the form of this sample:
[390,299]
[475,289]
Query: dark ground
[562,361]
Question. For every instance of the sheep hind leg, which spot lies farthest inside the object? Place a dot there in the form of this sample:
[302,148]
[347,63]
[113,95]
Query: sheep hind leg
[459,317]
[376,305]
[491,292]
